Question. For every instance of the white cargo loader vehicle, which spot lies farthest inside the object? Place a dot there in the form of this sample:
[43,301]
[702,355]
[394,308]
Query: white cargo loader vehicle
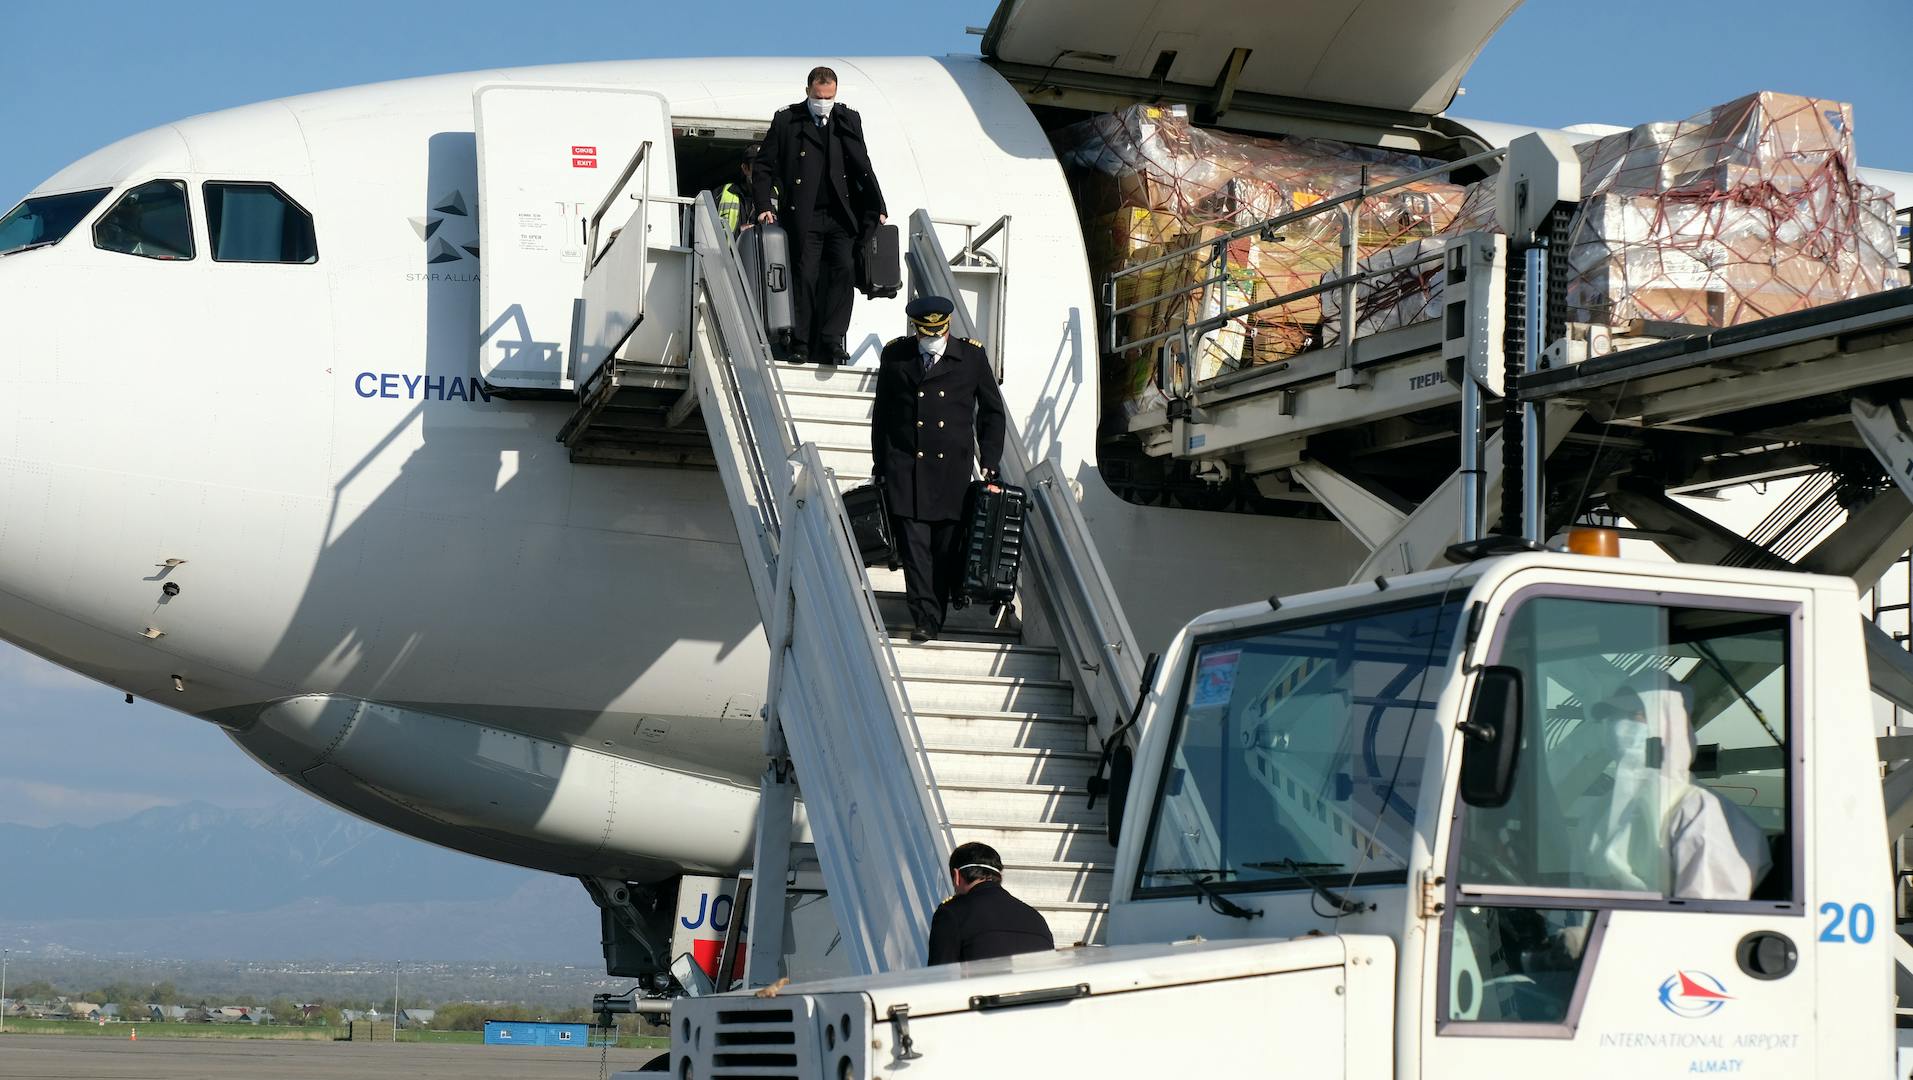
[1536,814]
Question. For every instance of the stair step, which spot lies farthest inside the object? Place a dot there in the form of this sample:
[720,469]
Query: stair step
[1070,883]
[847,461]
[973,623]
[1015,804]
[834,432]
[821,404]
[796,378]
[974,659]
[1074,924]
[1033,844]
[976,765]
[1006,731]
[991,694]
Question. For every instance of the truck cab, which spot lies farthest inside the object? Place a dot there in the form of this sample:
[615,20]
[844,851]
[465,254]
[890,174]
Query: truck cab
[1540,811]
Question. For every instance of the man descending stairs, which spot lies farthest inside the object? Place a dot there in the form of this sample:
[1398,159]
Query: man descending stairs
[1009,742]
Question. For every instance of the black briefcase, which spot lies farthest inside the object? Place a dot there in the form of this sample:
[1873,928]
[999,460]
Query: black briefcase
[870,525]
[992,544]
[880,262]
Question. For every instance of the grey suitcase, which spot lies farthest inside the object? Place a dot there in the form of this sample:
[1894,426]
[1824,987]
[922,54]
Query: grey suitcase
[764,251]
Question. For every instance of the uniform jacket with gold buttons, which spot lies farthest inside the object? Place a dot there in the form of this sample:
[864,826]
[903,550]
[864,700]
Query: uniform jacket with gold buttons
[927,430]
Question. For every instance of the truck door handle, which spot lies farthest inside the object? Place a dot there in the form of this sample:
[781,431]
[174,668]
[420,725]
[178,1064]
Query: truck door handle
[1765,954]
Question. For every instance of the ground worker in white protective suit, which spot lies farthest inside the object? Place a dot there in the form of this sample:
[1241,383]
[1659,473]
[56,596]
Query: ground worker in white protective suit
[1662,832]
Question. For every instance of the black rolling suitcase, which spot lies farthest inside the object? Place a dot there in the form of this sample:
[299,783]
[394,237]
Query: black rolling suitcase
[764,251]
[992,544]
[880,262]
[870,524]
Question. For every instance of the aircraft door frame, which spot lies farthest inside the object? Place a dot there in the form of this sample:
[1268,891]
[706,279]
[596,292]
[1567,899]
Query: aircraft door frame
[547,153]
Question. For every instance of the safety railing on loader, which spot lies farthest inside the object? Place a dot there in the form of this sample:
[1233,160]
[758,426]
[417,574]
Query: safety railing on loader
[834,694]
[1091,629]
[1211,259]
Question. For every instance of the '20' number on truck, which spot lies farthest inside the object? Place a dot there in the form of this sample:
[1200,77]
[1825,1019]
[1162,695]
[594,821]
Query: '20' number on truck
[1858,920]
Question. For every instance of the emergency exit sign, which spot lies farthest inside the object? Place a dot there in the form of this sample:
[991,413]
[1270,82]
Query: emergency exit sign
[584,157]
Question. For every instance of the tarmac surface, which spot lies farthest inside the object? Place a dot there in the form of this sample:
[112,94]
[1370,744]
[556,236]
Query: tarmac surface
[69,1057]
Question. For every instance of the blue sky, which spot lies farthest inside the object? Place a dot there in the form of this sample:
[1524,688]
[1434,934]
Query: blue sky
[82,74]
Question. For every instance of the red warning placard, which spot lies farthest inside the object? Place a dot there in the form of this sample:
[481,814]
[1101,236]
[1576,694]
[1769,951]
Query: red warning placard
[584,163]
[584,151]
[584,157]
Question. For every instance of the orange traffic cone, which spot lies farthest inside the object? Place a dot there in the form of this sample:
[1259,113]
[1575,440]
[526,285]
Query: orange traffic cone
[134,1037]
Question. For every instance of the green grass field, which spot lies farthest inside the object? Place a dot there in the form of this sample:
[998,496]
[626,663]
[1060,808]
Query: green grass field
[83,1029]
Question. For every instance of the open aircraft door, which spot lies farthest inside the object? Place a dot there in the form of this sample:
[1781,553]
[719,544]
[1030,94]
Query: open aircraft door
[1402,56]
[548,158]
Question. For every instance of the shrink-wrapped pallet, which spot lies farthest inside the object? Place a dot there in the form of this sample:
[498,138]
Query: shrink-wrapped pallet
[1746,211]
[1148,182]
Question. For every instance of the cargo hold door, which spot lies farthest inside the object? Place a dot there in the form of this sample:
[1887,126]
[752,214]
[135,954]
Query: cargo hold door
[1405,56]
[547,156]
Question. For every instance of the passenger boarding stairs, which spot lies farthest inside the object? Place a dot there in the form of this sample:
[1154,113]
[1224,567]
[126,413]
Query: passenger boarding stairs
[901,751]
[1008,745]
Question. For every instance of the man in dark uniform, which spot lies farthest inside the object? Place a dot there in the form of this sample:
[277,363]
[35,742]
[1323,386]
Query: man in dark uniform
[937,411]
[815,163]
[983,920]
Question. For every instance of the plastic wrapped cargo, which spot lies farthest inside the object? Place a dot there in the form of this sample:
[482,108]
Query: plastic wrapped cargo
[1746,211]
[1148,182]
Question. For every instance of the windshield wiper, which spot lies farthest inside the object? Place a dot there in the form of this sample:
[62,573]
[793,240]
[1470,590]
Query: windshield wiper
[1218,903]
[28,247]
[1301,870]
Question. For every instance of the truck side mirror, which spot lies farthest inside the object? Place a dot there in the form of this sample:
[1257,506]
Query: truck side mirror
[1493,737]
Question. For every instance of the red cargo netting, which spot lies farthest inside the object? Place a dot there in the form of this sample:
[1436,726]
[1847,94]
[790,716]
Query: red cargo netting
[1748,210]
[1148,182]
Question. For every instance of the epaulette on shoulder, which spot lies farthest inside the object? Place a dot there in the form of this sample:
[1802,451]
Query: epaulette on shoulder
[974,341]
[898,340]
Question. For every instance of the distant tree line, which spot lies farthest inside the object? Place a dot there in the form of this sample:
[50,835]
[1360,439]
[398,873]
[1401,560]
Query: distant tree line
[449,1016]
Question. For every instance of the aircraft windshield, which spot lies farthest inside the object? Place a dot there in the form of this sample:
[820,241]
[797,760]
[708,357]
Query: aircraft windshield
[1298,753]
[45,220]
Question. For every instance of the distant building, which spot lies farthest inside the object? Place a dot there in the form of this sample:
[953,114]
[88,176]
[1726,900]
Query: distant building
[110,1011]
[416,1017]
[79,1010]
[536,1033]
[175,1014]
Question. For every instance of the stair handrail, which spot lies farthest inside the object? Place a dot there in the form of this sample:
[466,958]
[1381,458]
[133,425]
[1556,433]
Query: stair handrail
[1092,630]
[879,821]
[764,436]
[902,848]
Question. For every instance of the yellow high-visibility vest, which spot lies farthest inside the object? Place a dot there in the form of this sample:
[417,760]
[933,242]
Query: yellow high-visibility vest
[730,206]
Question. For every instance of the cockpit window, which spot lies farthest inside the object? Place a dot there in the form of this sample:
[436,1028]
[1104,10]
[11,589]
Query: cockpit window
[257,223]
[46,219]
[150,221]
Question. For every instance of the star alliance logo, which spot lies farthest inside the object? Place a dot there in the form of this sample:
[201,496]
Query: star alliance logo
[450,232]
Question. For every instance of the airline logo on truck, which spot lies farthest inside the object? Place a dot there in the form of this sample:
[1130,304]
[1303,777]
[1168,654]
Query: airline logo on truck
[1693,994]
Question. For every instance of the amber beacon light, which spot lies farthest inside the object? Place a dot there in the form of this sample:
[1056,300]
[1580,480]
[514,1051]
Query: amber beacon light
[1603,542]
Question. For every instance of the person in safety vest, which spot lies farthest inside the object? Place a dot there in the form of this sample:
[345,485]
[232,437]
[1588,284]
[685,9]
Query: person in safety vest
[734,198]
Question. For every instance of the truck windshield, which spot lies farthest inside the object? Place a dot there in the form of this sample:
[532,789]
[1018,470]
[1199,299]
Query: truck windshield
[1298,753]
[45,219]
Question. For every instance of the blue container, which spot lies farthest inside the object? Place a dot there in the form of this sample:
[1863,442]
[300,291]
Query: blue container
[536,1033]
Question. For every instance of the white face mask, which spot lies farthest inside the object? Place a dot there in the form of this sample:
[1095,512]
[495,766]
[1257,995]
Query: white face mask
[1627,739]
[820,107]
